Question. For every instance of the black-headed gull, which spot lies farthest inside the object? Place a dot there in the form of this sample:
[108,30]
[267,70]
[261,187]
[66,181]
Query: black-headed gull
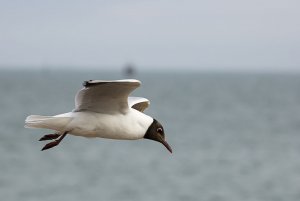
[103,109]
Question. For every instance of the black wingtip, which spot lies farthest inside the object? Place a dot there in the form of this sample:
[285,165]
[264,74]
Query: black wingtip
[87,83]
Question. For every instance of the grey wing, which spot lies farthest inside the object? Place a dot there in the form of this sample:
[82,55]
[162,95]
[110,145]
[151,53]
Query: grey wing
[105,96]
[138,103]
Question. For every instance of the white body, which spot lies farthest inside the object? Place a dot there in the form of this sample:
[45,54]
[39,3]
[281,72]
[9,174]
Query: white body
[130,126]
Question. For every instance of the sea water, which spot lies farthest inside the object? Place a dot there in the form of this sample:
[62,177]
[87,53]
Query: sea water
[235,136]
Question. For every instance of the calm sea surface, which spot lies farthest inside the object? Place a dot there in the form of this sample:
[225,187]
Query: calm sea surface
[236,137]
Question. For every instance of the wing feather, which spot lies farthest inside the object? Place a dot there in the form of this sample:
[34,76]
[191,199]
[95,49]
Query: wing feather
[105,96]
[138,103]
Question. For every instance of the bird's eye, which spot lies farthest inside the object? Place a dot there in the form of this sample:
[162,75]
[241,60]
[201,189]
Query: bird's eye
[159,130]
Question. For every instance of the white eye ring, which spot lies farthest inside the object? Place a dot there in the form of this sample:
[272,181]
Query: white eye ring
[159,130]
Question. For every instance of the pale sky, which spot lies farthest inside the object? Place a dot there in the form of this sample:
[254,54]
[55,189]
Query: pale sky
[166,34]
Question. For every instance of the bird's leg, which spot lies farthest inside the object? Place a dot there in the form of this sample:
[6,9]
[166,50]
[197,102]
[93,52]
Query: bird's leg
[49,137]
[55,142]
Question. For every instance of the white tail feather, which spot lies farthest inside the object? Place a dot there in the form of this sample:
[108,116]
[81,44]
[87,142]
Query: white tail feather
[48,122]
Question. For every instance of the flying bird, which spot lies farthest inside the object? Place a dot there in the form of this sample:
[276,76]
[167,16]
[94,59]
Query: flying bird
[103,109]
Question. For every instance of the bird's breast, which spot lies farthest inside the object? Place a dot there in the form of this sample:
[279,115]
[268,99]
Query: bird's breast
[128,126]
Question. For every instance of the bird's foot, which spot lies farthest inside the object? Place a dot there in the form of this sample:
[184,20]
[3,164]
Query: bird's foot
[55,142]
[50,145]
[49,137]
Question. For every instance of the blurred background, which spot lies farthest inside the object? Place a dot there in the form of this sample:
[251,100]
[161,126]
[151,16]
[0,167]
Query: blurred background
[222,77]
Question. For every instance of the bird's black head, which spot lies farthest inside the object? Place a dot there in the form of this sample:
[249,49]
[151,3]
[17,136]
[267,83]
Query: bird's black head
[156,132]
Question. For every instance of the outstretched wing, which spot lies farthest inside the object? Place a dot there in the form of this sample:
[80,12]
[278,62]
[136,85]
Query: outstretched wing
[105,96]
[138,103]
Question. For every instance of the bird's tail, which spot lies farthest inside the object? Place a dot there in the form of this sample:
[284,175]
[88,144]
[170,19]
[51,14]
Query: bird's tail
[48,122]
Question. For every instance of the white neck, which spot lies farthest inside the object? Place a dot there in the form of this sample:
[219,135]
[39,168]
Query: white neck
[141,124]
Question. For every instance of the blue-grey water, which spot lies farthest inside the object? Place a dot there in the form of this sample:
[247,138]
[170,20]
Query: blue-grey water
[235,137]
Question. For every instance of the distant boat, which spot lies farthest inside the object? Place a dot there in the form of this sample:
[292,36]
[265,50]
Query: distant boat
[129,70]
